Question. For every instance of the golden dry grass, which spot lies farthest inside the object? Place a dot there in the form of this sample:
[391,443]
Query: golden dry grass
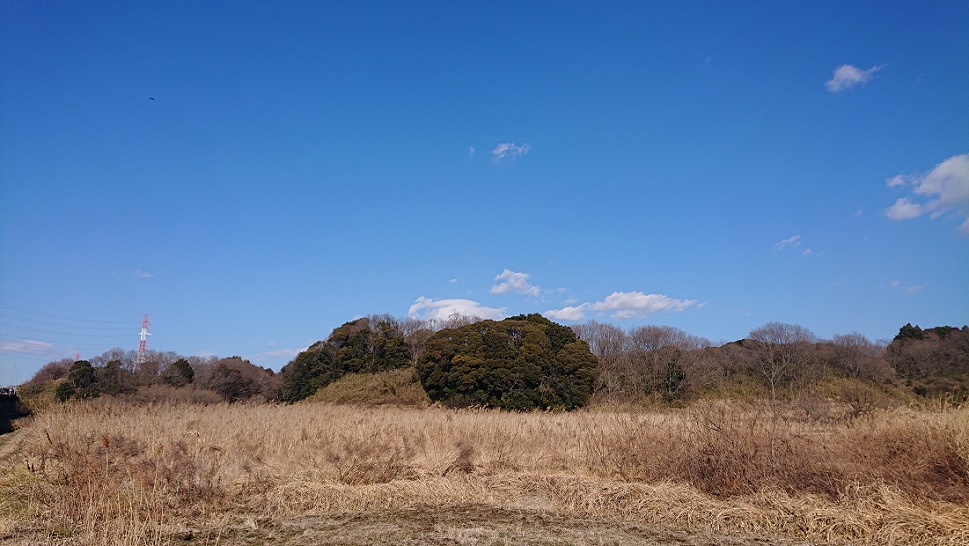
[104,472]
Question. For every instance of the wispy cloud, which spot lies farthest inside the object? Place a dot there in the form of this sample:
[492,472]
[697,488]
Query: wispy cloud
[508,151]
[847,76]
[794,241]
[512,281]
[943,190]
[431,309]
[908,288]
[142,274]
[622,305]
[287,354]
[27,346]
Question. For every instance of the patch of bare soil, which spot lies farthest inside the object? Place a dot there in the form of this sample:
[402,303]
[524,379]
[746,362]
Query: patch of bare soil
[464,525]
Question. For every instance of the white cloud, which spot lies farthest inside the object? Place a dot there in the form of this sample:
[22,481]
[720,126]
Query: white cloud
[794,242]
[622,305]
[572,313]
[430,309]
[903,209]
[28,346]
[513,281]
[626,305]
[896,181]
[847,76]
[452,281]
[944,189]
[509,151]
[142,274]
[287,354]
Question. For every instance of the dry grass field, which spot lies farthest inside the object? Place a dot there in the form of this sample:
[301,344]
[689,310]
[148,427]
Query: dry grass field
[106,473]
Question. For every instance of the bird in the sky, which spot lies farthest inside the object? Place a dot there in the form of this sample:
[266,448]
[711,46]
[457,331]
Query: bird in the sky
[151,99]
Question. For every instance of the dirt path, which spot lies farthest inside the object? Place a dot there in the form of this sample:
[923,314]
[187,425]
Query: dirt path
[469,525]
[9,446]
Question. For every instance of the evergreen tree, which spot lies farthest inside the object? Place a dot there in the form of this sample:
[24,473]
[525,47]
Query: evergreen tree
[519,363]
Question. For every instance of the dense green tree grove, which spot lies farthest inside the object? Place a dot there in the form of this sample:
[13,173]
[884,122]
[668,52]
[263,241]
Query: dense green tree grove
[366,345]
[518,363]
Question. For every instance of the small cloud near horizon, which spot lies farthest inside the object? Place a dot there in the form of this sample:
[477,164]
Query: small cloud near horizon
[622,305]
[142,274]
[287,354]
[27,346]
[430,309]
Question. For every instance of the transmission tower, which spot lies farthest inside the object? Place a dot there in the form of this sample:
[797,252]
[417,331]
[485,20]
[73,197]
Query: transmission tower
[143,346]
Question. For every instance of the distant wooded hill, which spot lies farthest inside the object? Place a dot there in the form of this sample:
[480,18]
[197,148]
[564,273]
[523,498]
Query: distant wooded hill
[528,361]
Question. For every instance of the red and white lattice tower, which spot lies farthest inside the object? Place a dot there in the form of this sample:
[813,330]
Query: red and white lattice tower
[143,346]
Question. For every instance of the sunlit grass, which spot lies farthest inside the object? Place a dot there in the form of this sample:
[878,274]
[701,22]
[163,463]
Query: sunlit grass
[104,472]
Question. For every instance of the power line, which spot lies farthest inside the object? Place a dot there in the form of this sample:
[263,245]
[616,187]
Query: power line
[55,324]
[58,332]
[60,317]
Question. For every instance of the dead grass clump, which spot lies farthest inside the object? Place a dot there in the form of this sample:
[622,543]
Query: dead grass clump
[633,446]
[168,394]
[927,459]
[732,449]
[464,459]
[94,467]
[391,388]
[375,458]
[726,450]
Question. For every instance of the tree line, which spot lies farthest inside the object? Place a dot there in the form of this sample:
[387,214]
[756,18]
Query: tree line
[775,360]
[528,361]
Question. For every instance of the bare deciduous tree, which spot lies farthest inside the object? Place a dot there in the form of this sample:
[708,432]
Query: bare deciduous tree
[416,333]
[781,353]
[858,357]
[609,344]
[661,357]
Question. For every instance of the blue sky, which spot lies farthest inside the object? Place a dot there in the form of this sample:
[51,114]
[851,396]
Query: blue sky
[252,175]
